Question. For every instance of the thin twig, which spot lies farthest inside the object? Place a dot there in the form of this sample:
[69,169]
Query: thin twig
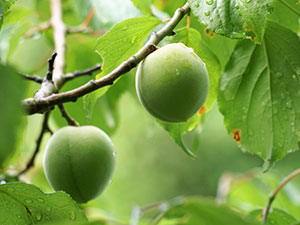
[38,29]
[69,119]
[45,128]
[84,26]
[34,78]
[33,106]
[273,194]
[89,71]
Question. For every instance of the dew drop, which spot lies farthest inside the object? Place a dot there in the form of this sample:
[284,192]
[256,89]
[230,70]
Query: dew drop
[245,109]
[290,151]
[278,74]
[48,209]
[41,200]
[207,13]
[294,77]
[259,153]
[247,1]
[209,2]
[28,201]
[19,216]
[289,104]
[73,216]
[292,124]
[38,216]
[177,72]
[133,39]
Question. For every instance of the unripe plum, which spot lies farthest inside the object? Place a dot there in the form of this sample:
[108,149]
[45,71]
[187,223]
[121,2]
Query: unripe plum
[172,83]
[79,161]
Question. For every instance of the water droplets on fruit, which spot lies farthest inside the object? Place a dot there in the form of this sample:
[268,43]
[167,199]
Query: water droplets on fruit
[209,2]
[28,201]
[38,216]
[207,13]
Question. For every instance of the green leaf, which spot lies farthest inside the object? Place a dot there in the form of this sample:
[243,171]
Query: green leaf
[26,204]
[177,130]
[234,18]
[286,13]
[143,5]
[259,95]
[192,38]
[12,90]
[4,7]
[118,45]
[275,217]
[202,212]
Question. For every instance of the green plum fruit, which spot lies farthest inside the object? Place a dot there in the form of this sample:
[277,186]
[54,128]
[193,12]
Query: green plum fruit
[79,161]
[172,83]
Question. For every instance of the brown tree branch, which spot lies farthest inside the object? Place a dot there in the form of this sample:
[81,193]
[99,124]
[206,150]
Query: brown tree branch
[89,71]
[45,128]
[45,104]
[84,26]
[40,28]
[68,118]
[34,78]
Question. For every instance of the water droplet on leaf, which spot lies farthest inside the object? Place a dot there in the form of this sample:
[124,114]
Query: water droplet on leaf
[207,13]
[28,201]
[247,1]
[38,216]
[41,200]
[73,216]
[209,2]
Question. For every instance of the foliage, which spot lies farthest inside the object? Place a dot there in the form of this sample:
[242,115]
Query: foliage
[251,49]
